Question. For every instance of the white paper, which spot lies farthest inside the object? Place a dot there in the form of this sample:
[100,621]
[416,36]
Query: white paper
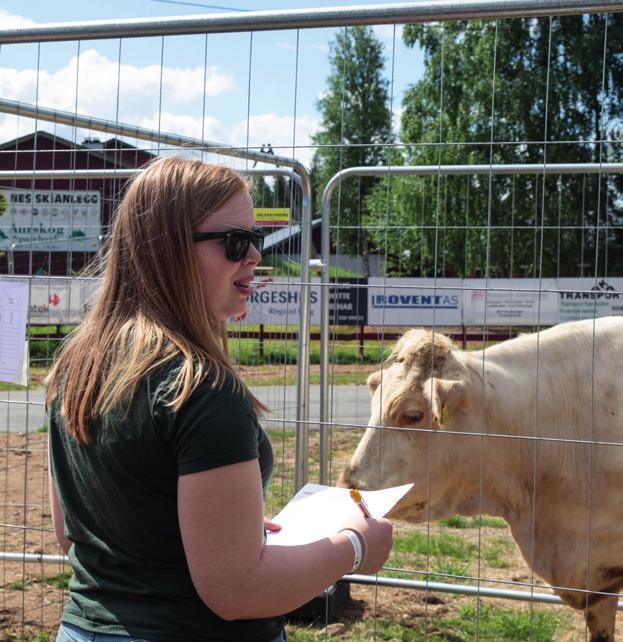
[13,313]
[318,511]
[22,377]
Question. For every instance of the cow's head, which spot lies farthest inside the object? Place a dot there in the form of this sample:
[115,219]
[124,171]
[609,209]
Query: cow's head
[417,397]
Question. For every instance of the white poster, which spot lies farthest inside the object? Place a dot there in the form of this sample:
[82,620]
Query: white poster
[50,220]
[13,313]
[590,298]
[510,302]
[277,301]
[412,302]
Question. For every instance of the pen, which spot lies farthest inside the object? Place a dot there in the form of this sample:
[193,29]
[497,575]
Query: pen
[358,499]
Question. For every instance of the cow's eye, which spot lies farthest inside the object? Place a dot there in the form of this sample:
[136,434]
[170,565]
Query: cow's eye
[413,417]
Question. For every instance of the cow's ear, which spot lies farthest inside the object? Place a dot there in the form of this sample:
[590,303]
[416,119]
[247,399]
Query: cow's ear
[449,392]
[374,380]
[443,395]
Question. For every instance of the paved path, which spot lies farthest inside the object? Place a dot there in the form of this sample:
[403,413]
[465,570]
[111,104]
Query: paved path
[350,405]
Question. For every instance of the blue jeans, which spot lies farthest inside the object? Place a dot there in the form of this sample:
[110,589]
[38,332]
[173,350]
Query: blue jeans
[73,633]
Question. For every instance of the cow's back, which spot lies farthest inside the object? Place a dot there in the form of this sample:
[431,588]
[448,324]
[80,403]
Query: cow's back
[566,375]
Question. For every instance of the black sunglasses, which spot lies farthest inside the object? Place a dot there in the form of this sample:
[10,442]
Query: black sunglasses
[236,241]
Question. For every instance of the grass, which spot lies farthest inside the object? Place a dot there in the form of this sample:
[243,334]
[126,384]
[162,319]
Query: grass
[496,550]
[418,543]
[279,352]
[17,585]
[488,623]
[60,581]
[458,521]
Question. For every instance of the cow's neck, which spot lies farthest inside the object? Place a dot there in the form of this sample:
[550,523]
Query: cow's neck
[497,406]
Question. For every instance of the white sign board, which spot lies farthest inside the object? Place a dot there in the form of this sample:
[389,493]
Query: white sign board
[414,301]
[510,302]
[277,301]
[50,220]
[60,301]
[590,298]
[13,313]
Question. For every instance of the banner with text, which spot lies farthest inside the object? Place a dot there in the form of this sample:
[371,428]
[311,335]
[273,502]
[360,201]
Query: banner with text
[379,301]
[60,301]
[590,298]
[510,302]
[50,220]
[395,301]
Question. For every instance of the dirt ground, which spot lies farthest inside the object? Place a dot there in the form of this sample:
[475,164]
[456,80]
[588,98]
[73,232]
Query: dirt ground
[32,594]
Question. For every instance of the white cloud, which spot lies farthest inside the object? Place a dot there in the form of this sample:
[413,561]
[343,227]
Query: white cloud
[288,46]
[324,48]
[139,103]
[100,79]
[185,125]
[282,132]
[13,21]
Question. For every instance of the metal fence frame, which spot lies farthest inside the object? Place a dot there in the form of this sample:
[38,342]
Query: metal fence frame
[389,171]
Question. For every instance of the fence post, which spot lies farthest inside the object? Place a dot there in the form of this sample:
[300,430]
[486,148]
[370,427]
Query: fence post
[261,342]
[362,329]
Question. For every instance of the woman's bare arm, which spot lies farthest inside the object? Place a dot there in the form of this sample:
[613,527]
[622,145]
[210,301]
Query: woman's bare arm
[58,520]
[235,574]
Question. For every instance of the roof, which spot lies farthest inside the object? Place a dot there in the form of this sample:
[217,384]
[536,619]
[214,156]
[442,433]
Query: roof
[286,233]
[103,153]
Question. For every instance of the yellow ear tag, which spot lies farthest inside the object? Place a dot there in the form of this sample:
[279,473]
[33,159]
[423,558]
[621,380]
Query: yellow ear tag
[444,413]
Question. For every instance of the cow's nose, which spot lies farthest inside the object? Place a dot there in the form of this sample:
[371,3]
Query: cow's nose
[344,479]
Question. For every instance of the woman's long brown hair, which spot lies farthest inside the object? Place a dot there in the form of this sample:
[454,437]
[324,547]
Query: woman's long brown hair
[151,308]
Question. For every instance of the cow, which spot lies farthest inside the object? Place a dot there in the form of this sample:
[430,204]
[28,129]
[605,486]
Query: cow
[530,429]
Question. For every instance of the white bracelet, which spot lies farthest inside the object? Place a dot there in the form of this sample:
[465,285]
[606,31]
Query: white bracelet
[357,548]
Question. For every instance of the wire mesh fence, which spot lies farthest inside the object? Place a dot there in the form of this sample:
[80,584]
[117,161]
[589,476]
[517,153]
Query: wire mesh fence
[488,207]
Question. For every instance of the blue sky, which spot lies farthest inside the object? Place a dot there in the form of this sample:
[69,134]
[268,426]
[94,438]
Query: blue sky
[238,89]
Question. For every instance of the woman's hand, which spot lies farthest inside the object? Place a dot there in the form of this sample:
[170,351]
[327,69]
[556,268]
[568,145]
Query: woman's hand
[376,539]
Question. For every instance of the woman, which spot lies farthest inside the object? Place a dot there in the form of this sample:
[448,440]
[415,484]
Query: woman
[157,461]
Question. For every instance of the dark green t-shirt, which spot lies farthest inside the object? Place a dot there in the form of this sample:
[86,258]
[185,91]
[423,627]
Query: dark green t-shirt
[119,499]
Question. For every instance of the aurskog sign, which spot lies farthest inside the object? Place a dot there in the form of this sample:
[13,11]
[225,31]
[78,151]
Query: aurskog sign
[50,220]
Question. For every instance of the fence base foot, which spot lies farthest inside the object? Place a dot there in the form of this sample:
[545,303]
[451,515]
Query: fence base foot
[324,607]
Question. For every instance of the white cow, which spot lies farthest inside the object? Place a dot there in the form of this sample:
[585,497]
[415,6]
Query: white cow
[531,430]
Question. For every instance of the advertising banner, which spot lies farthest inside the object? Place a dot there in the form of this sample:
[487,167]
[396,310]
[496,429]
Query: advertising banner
[60,301]
[392,301]
[50,220]
[271,216]
[510,302]
[590,298]
[277,301]
[413,302]
[348,302]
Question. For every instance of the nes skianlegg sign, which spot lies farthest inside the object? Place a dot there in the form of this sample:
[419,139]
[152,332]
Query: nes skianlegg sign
[50,220]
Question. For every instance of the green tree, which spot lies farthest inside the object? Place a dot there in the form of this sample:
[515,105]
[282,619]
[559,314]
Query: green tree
[511,91]
[356,125]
